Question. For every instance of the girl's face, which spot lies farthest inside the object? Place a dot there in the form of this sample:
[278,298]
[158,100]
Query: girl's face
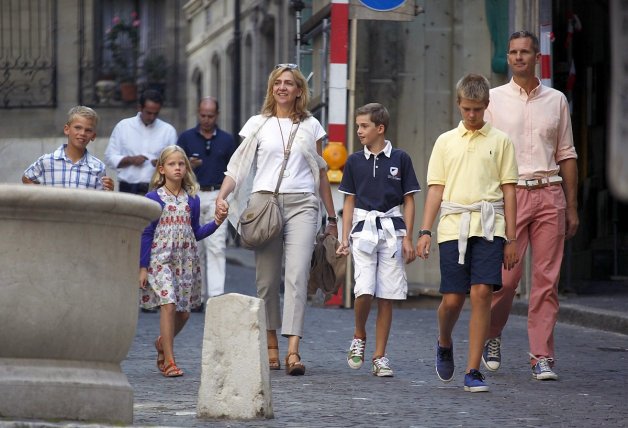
[174,167]
[285,89]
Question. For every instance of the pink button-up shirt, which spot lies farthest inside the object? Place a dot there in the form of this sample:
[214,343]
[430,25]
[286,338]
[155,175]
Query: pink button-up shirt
[538,124]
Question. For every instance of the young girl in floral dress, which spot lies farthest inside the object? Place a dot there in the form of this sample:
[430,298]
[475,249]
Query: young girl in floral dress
[170,274]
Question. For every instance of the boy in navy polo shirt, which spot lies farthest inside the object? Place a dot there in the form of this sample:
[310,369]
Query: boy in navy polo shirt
[379,184]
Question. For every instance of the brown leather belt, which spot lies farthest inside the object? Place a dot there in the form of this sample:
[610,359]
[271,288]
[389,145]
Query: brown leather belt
[210,188]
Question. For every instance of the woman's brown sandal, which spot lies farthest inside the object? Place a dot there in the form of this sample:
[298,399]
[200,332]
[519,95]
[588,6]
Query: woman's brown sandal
[296,368]
[171,370]
[273,363]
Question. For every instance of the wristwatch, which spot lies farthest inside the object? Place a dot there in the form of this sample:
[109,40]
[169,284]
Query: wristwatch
[331,219]
[425,232]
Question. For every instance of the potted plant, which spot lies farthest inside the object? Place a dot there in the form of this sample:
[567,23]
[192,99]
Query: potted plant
[155,71]
[105,85]
[123,41]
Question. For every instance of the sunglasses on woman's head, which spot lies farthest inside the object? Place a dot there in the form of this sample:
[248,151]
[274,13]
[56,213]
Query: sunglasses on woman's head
[287,65]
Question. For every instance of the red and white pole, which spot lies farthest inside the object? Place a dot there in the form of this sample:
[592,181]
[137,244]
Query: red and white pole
[546,39]
[335,154]
[338,71]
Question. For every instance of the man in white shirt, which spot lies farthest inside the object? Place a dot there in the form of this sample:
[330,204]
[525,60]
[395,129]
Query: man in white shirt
[136,143]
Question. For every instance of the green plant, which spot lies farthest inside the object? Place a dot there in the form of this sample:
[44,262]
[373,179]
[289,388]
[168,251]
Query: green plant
[123,41]
[155,68]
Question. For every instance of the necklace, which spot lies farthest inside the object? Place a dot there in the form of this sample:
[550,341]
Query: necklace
[176,197]
[286,173]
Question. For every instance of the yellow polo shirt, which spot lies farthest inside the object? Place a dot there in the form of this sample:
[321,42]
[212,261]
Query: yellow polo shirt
[472,165]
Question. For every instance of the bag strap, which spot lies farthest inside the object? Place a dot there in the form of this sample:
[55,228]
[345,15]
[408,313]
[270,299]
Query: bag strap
[286,155]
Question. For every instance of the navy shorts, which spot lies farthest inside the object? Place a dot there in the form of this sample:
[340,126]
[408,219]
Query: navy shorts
[482,265]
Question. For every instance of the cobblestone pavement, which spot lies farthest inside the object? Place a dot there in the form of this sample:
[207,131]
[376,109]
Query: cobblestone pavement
[592,366]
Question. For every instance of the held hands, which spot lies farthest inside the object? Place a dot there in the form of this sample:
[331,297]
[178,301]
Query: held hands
[423,247]
[221,212]
[107,183]
[343,249]
[143,278]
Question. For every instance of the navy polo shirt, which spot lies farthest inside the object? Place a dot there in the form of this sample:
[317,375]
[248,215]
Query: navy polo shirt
[379,182]
[215,159]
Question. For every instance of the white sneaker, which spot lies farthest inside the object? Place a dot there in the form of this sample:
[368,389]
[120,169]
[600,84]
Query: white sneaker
[542,370]
[492,354]
[355,357]
[381,367]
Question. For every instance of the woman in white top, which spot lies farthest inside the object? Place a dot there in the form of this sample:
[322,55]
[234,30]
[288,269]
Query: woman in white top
[303,186]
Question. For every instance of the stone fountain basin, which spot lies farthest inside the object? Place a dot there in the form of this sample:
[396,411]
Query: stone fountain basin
[68,301]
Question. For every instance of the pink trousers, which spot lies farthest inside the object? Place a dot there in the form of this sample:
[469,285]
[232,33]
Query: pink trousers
[541,224]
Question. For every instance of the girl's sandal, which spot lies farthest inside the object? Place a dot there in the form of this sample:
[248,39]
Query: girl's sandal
[161,359]
[273,363]
[296,368]
[171,370]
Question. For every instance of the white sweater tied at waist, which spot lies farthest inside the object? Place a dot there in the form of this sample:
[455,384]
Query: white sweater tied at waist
[370,235]
[487,211]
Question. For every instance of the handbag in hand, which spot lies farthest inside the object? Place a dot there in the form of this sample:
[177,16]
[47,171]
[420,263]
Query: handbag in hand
[262,221]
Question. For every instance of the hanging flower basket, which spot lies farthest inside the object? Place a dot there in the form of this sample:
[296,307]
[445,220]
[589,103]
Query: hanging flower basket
[123,41]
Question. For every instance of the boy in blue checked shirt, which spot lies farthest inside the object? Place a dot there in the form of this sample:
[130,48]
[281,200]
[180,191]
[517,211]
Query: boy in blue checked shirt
[71,165]
[378,214]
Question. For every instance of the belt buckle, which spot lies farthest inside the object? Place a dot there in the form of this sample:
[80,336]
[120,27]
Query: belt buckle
[535,181]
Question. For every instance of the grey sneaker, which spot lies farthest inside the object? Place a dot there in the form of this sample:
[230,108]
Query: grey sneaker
[492,355]
[355,358]
[381,367]
[542,370]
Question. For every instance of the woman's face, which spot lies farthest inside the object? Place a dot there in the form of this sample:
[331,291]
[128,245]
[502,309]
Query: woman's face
[285,89]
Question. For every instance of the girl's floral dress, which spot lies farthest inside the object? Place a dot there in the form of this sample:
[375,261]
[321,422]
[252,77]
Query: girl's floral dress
[174,273]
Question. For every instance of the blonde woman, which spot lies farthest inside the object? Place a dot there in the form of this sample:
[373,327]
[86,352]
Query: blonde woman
[254,168]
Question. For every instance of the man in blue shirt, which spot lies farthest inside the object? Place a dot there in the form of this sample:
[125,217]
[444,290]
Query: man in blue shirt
[209,150]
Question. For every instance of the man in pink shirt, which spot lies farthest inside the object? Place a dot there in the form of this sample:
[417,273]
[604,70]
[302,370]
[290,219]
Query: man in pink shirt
[537,120]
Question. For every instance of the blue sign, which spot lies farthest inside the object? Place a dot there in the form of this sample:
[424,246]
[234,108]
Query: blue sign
[382,5]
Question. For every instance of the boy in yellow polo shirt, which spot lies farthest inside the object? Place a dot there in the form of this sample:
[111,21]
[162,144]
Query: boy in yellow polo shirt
[471,176]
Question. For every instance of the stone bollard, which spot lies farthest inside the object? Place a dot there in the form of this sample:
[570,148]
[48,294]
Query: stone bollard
[235,379]
[68,305]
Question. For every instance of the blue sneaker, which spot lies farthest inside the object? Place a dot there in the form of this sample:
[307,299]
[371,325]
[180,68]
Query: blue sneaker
[474,382]
[445,362]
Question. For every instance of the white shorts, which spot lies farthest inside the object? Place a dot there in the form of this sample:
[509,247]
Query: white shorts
[381,274]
